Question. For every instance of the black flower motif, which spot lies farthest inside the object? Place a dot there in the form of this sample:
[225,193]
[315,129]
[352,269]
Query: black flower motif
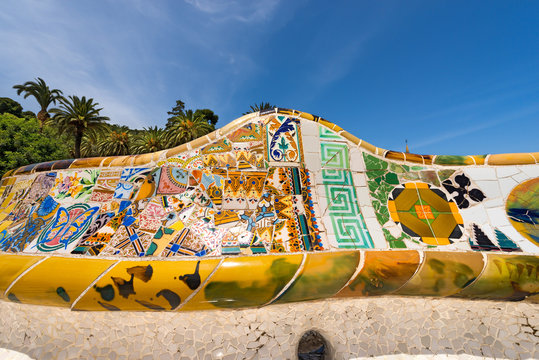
[461,186]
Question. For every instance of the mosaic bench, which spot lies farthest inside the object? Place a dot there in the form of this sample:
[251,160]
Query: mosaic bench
[277,206]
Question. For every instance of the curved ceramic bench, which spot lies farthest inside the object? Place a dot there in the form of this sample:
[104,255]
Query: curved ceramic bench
[275,207]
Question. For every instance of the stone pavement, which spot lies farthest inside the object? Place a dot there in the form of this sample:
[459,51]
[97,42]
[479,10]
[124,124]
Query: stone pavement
[391,327]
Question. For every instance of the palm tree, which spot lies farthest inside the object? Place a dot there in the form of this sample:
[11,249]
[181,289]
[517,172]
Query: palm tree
[78,115]
[90,144]
[260,107]
[44,96]
[116,142]
[185,128]
[151,139]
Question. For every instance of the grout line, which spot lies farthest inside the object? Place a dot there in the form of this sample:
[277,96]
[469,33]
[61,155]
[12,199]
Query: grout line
[105,272]
[360,265]
[299,271]
[24,273]
[485,262]
[182,304]
[422,257]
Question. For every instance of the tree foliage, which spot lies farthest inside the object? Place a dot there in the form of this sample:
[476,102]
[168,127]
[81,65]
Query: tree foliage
[10,106]
[75,116]
[259,107]
[23,144]
[187,127]
[43,95]
[152,139]
[117,142]
[76,129]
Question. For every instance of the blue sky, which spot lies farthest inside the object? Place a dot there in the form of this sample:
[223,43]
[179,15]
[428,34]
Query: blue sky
[451,77]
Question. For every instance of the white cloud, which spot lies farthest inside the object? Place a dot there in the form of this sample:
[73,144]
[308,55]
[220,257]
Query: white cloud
[244,11]
[74,53]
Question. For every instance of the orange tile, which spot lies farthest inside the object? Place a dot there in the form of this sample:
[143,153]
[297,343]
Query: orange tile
[511,159]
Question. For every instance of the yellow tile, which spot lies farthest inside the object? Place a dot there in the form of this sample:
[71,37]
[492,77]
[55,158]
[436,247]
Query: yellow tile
[246,282]
[391,206]
[122,161]
[86,162]
[479,159]
[511,159]
[443,273]
[147,285]
[394,155]
[322,276]
[143,159]
[383,272]
[307,116]
[4,225]
[369,147]
[177,150]
[12,266]
[506,277]
[351,137]
[58,281]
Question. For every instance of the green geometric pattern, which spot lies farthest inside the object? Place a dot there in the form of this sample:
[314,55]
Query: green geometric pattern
[343,208]
[337,177]
[346,219]
[334,155]
[325,133]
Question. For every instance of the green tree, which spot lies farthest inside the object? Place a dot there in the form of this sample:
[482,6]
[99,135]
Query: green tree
[76,116]
[44,96]
[259,107]
[179,110]
[176,111]
[28,114]
[151,139]
[209,115]
[116,142]
[90,144]
[187,127]
[23,143]
[10,106]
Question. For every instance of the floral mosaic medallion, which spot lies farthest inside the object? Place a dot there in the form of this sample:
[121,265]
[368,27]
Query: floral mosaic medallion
[522,208]
[424,212]
[74,185]
[463,193]
[283,140]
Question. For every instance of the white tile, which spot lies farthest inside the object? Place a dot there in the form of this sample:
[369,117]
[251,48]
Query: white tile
[368,212]
[322,200]
[497,217]
[319,179]
[505,171]
[481,173]
[520,177]
[360,179]
[363,196]
[311,144]
[525,244]
[506,185]
[309,128]
[312,162]
[492,203]
[476,214]
[356,159]
[375,230]
[491,189]
[531,170]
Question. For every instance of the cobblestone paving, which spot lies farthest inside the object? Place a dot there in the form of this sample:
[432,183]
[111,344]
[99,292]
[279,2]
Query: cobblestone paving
[392,327]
